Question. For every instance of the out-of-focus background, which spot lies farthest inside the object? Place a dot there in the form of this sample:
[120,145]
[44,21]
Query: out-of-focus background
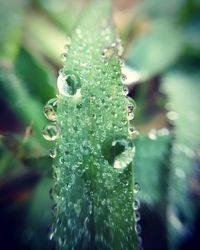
[162,56]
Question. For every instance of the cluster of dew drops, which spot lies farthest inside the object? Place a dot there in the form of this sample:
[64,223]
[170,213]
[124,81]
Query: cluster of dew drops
[65,88]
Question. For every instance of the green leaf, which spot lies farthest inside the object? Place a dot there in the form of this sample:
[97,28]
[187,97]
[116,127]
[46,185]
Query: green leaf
[182,89]
[158,48]
[192,37]
[37,75]
[63,13]
[41,165]
[156,8]
[44,36]
[11,13]
[93,191]
[21,102]
[38,217]
[152,160]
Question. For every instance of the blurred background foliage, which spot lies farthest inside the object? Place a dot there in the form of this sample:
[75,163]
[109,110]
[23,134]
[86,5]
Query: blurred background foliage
[162,58]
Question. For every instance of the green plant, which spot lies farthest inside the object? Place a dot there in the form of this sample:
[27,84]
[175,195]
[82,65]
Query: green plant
[93,156]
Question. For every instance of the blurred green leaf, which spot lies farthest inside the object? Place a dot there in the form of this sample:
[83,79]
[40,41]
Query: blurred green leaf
[11,13]
[152,166]
[157,8]
[42,165]
[182,88]
[155,50]
[44,36]
[36,74]
[192,37]
[16,95]
[63,13]
[38,218]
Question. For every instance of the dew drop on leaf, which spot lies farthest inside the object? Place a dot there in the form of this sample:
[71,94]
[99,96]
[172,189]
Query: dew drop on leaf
[50,132]
[136,188]
[69,83]
[136,204]
[120,153]
[52,152]
[125,90]
[50,109]
[108,52]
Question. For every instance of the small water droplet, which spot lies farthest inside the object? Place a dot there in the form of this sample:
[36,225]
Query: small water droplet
[50,109]
[123,77]
[125,90]
[136,204]
[50,132]
[136,188]
[138,229]
[108,52]
[137,216]
[52,152]
[130,116]
[50,232]
[133,132]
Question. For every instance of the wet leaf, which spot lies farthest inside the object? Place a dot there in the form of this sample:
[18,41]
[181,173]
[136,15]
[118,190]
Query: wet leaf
[93,191]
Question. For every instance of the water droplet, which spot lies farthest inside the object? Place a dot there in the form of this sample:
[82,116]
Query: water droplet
[172,115]
[125,90]
[136,204]
[50,109]
[138,229]
[52,152]
[50,132]
[50,232]
[69,83]
[136,188]
[133,132]
[123,77]
[130,116]
[107,52]
[120,49]
[137,216]
[119,153]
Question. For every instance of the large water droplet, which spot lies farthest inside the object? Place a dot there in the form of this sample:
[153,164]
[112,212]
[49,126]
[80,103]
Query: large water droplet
[50,109]
[119,153]
[50,132]
[69,83]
